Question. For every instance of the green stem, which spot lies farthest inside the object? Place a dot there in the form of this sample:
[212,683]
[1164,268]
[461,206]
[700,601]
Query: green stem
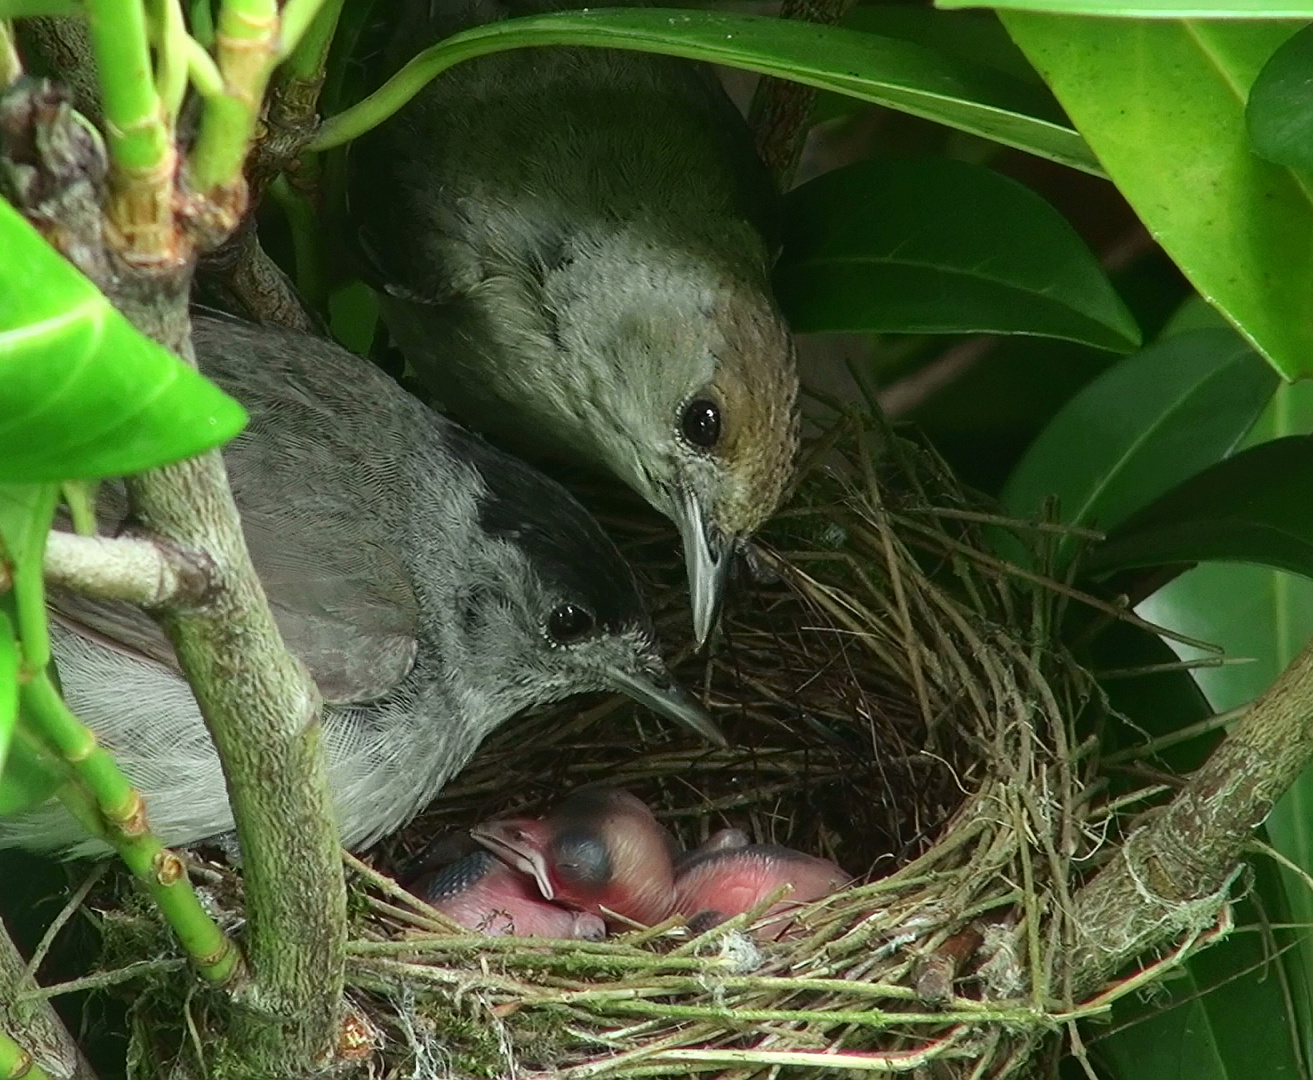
[171,55]
[80,498]
[202,23]
[557,28]
[15,1062]
[106,802]
[11,67]
[246,44]
[140,143]
[303,222]
[308,29]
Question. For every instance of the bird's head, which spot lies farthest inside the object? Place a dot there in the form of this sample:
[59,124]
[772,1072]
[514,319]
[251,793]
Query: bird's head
[601,851]
[683,380]
[548,607]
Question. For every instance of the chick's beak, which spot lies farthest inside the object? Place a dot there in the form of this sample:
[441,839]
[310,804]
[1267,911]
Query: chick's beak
[707,555]
[663,695]
[521,843]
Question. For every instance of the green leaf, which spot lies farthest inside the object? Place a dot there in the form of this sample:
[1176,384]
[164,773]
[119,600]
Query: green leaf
[1252,508]
[974,36]
[877,69]
[1156,9]
[1162,105]
[1224,1016]
[1280,109]
[1142,427]
[83,393]
[938,246]
[9,665]
[1150,696]
[1265,617]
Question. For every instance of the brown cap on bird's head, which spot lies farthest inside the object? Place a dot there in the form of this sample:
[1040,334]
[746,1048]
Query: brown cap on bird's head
[601,851]
[744,425]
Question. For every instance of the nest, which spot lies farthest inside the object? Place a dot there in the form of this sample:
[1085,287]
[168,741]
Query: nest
[897,701]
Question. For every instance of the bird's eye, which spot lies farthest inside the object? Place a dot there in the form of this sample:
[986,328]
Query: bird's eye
[700,423]
[568,623]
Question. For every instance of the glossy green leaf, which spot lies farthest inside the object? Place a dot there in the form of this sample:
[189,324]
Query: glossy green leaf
[1225,1016]
[882,70]
[1252,508]
[1280,108]
[82,392]
[1263,617]
[976,36]
[1156,9]
[1141,428]
[938,246]
[9,665]
[1162,105]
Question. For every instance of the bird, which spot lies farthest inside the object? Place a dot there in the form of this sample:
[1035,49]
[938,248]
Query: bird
[600,850]
[716,884]
[720,840]
[433,586]
[586,281]
[482,893]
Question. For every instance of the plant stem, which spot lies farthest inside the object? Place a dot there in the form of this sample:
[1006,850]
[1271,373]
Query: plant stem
[34,1023]
[113,808]
[16,1063]
[202,23]
[137,570]
[171,56]
[307,33]
[140,143]
[246,45]
[1171,876]
[11,67]
[262,713]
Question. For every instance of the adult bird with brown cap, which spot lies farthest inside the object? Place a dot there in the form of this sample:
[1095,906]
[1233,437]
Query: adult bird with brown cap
[572,247]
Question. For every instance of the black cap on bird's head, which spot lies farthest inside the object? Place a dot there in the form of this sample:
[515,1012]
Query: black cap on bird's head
[573,620]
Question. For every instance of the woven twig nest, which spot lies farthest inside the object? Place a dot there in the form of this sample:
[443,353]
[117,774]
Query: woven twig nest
[895,702]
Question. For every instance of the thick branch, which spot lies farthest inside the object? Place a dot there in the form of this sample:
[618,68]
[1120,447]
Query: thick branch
[781,112]
[34,1025]
[262,713]
[1170,877]
[143,572]
[257,700]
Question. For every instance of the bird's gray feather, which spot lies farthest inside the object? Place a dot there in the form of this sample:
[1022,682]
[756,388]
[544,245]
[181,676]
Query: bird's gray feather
[408,564]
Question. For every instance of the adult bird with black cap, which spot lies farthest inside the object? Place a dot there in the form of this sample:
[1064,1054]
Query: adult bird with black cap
[432,585]
[572,247]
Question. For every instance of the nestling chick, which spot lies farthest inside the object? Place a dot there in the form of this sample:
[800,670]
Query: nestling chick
[482,893]
[572,247]
[715,884]
[720,840]
[601,850]
[433,586]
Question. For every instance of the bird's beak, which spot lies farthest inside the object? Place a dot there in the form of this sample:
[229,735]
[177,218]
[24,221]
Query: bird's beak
[669,699]
[512,842]
[707,555]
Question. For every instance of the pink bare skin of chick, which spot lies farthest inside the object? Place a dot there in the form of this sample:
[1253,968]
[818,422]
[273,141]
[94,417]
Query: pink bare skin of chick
[716,883]
[600,851]
[482,893]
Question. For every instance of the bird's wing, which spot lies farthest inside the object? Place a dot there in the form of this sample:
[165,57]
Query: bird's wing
[316,482]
